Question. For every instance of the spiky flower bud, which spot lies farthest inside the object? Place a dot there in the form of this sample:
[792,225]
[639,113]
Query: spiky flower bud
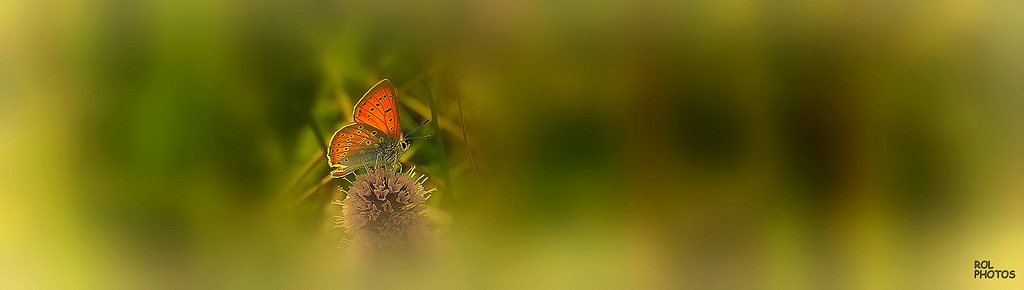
[384,211]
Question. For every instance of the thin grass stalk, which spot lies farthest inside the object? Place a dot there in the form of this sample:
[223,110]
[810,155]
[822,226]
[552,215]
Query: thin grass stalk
[465,136]
[439,144]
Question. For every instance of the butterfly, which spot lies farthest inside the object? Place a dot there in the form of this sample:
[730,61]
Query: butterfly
[375,138]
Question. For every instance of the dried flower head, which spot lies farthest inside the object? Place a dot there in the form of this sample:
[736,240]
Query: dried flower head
[384,210]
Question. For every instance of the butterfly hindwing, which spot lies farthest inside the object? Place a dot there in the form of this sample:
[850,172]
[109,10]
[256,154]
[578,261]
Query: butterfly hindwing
[354,146]
[379,108]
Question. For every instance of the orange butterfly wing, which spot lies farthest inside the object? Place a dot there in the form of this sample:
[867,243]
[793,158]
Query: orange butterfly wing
[379,108]
[354,146]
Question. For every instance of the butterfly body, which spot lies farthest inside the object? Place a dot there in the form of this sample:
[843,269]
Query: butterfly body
[375,139]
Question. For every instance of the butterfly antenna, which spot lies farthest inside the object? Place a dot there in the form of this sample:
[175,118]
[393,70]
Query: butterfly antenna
[417,128]
[419,137]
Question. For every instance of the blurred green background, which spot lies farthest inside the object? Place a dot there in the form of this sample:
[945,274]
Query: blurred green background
[616,144]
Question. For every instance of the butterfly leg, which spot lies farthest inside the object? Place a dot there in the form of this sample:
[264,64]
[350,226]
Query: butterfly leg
[341,172]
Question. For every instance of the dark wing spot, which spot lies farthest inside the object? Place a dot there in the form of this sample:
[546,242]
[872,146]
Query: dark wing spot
[378,104]
[360,127]
[346,148]
[388,110]
[392,128]
[391,119]
[374,133]
[371,109]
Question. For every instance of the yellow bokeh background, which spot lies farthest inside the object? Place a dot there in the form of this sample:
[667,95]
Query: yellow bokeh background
[615,144]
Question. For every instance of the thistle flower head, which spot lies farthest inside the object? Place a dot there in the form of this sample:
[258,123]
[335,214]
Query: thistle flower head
[384,210]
